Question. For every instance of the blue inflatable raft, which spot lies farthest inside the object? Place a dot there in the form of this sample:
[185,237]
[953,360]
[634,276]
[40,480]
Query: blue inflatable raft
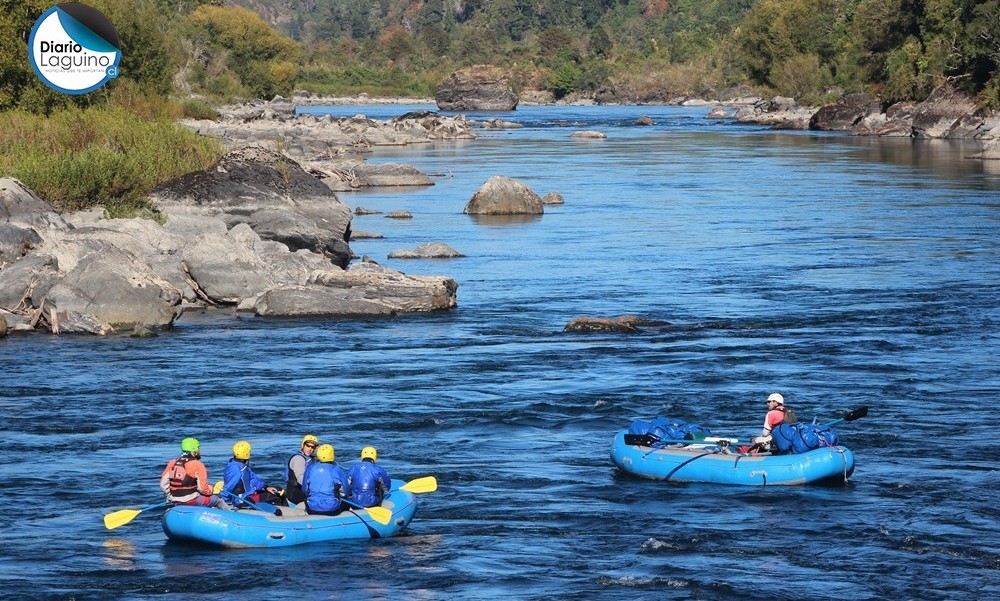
[253,528]
[717,464]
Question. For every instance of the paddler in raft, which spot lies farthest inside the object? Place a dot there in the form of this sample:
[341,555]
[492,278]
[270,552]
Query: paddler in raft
[368,481]
[185,480]
[295,469]
[240,479]
[325,484]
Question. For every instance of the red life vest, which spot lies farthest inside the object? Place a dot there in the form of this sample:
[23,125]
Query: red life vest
[181,484]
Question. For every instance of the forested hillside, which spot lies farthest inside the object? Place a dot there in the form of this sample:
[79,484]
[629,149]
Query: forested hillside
[652,49]
[632,50]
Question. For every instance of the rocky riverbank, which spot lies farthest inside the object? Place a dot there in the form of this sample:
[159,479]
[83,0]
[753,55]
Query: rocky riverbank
[264,232]
[256,233]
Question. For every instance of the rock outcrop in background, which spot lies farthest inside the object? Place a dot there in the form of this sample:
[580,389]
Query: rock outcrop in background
[479,88]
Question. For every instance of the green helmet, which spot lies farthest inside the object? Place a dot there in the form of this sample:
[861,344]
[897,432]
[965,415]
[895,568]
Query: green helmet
[190,445]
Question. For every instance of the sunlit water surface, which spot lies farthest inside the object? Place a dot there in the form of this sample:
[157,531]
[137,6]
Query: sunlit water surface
[842,272]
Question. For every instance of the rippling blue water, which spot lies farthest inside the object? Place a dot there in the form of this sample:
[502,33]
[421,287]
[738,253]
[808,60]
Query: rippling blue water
[839,271]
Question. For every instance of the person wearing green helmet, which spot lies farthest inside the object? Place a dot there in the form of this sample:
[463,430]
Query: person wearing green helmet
[185,479]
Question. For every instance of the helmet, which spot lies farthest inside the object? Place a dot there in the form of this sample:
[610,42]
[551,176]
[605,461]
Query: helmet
[777,398]
[325,453]
[309,438]
[190,445]
[241,450]
[369,453]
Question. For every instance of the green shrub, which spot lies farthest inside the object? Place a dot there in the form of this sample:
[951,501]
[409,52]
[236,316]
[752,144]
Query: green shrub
[78,158]
[195,108]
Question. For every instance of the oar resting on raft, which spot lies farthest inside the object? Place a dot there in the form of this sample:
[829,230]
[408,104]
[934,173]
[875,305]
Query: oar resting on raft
[646,440]
[384,516]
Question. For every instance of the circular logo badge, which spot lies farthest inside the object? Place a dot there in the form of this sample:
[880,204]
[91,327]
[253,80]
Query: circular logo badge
[74,48]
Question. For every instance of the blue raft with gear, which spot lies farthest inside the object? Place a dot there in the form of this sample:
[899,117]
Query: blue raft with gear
[673,451]
[243,528]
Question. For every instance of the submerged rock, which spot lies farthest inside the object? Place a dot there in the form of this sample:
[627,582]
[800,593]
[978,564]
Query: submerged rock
[431,250]
[624,324]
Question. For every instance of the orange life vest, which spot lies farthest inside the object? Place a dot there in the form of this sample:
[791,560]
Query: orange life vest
[182,484]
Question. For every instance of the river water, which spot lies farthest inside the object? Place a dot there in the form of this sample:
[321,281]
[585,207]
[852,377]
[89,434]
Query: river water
[841,272]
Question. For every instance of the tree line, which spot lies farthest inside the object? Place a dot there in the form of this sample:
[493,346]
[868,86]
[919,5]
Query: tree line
[650,49]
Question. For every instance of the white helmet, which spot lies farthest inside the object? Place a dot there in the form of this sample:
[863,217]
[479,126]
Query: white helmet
[777,398]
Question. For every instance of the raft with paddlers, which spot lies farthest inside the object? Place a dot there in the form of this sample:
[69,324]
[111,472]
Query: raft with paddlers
[266,525]
[680,452]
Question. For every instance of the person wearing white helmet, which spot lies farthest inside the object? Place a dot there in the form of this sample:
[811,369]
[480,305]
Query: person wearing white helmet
[776,414]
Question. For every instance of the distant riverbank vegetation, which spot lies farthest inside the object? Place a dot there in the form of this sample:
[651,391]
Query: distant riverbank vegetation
[181,58]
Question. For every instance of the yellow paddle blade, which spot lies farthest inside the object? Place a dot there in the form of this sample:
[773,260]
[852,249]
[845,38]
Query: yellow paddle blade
[419,485]
[120,518]
[218,487]
[380,514]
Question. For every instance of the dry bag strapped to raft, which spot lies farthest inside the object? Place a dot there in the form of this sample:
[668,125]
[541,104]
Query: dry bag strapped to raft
[799,438]
[658,429]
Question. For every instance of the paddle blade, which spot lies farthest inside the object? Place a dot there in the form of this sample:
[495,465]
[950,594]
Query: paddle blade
[120,518]
[380,514]
[856,414]
[218,487]
[421,485]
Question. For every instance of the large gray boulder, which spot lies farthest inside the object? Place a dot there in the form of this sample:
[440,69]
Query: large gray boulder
[292,301]
[270,193]
[847,112]
[351,174]
[71,279]
[430,250]
[502,195]
[937,116]
[15,242]
[365,290]
[478,88]
[21,207]
[780,113]
[991,151]
[101,283]
[400,291]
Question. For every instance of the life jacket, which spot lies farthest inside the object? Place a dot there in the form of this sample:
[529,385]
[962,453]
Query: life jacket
[293,488]
[326,484]
[248,480]
[181,484]
[368,483]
